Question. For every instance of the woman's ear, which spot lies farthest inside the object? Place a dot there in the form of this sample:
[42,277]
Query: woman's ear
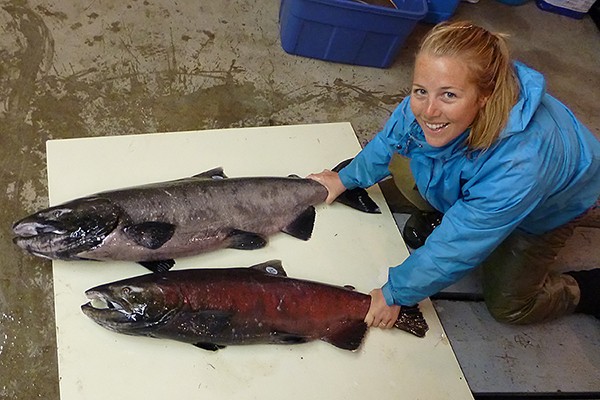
[483,100]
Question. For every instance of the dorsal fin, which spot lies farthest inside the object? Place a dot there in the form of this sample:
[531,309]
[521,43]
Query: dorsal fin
[272,267]
[215,173]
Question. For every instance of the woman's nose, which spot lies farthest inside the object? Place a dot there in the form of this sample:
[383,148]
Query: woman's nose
[432,109]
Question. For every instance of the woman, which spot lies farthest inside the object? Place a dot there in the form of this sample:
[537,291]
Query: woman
[510,167]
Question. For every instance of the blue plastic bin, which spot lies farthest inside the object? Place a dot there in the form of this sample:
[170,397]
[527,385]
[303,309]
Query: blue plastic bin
[440,10]
[575,9]
[347,31]
[513,2]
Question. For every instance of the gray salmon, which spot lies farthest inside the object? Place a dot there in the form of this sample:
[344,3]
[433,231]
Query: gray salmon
[214,308]
[156,223]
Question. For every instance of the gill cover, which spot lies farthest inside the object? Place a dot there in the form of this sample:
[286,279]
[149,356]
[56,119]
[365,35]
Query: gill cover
[132,307]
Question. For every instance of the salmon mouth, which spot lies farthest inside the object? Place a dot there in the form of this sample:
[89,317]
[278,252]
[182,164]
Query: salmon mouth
[103,308]
[28,229]
[119,315]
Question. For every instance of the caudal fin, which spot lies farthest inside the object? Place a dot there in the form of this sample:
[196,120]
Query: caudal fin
[357,198]
[411,320]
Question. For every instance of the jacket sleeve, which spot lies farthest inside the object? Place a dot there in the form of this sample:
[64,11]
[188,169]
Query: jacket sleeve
[371,164]
[494,203]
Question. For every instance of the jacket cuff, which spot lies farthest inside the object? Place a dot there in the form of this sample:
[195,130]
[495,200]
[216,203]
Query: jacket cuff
[346,180]
[387,294]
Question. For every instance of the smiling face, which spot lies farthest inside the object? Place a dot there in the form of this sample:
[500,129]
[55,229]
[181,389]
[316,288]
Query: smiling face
[444,99]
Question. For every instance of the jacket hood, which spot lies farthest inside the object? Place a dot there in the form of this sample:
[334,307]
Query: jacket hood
[453,149]
[532,87]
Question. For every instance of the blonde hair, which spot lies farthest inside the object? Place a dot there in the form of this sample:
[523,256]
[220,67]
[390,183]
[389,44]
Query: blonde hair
[488,58]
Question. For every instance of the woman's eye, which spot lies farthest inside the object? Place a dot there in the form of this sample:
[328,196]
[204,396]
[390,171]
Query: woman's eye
[449,95]
[419,91]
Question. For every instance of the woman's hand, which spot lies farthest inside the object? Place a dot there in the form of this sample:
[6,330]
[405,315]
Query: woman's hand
[380,314]
[331,181]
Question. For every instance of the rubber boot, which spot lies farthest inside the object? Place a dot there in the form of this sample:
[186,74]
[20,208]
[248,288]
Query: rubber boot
[589,287]
[419,226]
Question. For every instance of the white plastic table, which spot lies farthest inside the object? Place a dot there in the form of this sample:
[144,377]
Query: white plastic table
[347,247]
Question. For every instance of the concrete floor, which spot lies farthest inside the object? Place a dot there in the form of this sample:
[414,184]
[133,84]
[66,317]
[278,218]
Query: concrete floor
[95,68]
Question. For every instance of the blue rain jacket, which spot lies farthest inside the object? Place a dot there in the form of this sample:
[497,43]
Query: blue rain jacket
[543,171]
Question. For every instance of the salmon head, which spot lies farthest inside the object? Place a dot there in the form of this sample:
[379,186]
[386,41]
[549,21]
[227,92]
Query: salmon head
[63,231]
[133,307]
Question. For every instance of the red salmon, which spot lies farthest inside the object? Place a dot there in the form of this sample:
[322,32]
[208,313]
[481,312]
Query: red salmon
[213,308]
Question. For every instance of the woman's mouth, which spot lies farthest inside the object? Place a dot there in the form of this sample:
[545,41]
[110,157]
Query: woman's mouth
[436,127]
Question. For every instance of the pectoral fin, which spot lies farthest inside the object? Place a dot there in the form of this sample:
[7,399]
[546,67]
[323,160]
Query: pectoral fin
[152,234]
[208,324]
[302,226]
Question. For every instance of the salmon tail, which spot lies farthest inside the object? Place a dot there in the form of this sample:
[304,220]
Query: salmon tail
[357,198]
[411,320]
[349,336]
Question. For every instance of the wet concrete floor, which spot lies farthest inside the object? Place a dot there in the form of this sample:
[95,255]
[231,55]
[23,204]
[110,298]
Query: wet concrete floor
[81,69]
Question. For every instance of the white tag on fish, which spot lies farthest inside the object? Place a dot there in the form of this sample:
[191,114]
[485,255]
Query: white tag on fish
[271,270]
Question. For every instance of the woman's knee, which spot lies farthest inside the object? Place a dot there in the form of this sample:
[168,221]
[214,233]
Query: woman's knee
[556,297]
[509,311]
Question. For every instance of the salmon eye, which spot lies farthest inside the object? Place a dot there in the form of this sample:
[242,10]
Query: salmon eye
[126,291]
[59,213]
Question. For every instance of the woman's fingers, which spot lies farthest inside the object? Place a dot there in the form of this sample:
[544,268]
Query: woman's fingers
[332,183]
[380,315]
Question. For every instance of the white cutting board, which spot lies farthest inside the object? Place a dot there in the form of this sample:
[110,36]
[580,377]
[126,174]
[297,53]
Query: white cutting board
[347,247]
